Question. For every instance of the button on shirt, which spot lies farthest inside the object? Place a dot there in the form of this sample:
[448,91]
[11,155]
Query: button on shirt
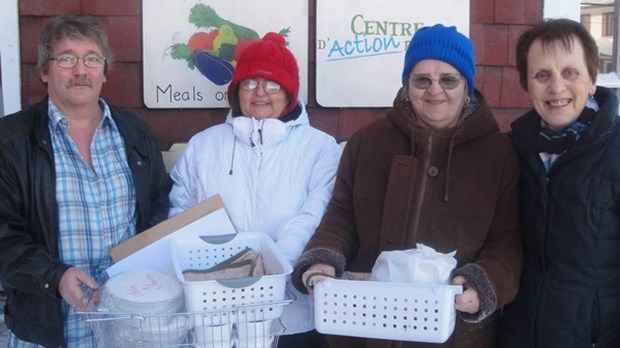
[96,206]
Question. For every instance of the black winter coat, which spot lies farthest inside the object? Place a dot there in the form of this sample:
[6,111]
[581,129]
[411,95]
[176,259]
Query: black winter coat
[570,287]
[29,266]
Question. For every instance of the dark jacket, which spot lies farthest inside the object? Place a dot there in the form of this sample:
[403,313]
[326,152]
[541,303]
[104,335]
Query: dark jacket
[399,184]
[29,267]
[570,288]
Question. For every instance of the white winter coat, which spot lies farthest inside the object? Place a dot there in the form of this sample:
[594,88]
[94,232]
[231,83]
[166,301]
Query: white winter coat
[274,177]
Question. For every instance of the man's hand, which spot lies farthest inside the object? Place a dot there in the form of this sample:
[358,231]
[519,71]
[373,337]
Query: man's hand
[76,287]
[316,273]
[468,301]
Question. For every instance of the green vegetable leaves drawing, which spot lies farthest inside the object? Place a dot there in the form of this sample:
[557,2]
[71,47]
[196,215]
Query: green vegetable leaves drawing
[214,49]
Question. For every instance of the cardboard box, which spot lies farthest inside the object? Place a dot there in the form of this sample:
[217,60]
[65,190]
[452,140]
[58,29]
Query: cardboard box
[151,248]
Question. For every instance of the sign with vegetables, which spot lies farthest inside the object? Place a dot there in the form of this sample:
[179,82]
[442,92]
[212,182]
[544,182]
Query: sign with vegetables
[191,47]
[361,44]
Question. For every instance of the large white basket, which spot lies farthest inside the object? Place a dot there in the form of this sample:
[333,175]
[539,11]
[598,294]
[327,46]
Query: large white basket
[394,311]
[201,253]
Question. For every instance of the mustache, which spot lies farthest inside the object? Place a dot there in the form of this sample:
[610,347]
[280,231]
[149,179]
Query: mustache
[80,81]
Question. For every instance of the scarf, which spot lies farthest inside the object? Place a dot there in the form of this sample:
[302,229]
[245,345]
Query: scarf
[557,142]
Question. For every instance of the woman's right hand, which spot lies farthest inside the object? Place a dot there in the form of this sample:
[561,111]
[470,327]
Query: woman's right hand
[317,273]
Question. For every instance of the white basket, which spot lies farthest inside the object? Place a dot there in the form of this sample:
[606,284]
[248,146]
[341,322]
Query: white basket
[205,252]
[394,311]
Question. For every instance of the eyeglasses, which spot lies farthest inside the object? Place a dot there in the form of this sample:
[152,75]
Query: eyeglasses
[68,61]
[270,87]
[446,81]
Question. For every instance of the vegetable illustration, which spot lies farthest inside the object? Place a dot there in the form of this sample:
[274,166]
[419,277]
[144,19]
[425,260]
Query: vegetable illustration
[225,36]
[202,40]
[215,69]
[182,51]
[204,16]
[227,52]
[215,47]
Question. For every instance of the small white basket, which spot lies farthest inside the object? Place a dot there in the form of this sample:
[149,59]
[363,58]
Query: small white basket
[393,311]
[204,252]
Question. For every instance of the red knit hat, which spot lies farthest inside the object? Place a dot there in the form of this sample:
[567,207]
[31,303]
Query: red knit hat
[269,58]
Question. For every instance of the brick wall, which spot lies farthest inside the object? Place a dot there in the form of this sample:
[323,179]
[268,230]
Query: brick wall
[495,26]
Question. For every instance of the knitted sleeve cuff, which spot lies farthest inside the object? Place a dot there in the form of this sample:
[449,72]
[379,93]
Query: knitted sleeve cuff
[477,278]
[314,256]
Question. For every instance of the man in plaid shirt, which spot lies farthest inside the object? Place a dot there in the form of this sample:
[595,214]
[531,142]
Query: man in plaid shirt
[77,176]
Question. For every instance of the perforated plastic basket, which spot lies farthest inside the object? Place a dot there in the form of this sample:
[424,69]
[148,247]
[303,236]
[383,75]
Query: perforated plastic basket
[394,311]
[205,252]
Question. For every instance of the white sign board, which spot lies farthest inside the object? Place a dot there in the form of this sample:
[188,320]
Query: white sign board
[190,46]
[10,68]
[360,46]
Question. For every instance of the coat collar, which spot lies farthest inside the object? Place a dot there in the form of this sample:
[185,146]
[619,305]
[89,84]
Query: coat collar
[605,121]
[479,123]
[302,119]
[129,129]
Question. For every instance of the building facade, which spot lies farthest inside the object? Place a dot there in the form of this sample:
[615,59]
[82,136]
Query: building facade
[495,26]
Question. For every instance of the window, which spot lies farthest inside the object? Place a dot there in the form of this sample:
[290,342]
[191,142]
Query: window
[589,12]
[600,17]
[608,23]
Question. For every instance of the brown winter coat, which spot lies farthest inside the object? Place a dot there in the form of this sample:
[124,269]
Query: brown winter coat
[399,184]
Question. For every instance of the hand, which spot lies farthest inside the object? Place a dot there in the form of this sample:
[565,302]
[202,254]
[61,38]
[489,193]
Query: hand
[468,301]
[317,273]
[76,287]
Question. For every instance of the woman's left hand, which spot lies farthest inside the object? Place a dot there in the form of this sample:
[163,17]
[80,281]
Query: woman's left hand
[468,301]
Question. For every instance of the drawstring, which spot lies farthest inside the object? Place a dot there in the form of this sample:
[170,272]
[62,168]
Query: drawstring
[252,139]
[446,196]
[232,159]
[259,130]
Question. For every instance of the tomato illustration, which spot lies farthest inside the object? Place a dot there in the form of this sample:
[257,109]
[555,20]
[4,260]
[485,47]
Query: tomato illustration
[202,40]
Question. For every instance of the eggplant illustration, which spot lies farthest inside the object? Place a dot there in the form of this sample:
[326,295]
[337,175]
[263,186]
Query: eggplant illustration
[214,68]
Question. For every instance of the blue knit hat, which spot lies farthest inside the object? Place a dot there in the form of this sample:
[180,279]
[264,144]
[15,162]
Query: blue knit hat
[445,44]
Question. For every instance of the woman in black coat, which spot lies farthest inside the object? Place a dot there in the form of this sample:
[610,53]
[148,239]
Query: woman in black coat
[569,145]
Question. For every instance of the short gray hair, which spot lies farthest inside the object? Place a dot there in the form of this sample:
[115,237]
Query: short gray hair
[73,27]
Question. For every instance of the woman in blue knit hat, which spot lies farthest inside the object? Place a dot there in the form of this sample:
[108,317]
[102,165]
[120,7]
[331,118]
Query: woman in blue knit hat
[437,171]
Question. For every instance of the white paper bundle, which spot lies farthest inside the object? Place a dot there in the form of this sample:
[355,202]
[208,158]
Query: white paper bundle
[420,265]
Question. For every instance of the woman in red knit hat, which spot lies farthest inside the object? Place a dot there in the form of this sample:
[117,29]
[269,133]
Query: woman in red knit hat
[274,172]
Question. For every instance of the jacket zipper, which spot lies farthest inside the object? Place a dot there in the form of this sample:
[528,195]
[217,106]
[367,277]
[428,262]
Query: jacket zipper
[422,188]
[259,150]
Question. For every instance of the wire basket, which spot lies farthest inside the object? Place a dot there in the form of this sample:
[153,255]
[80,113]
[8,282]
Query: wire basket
[207,251]
[245,326]
[394,311]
